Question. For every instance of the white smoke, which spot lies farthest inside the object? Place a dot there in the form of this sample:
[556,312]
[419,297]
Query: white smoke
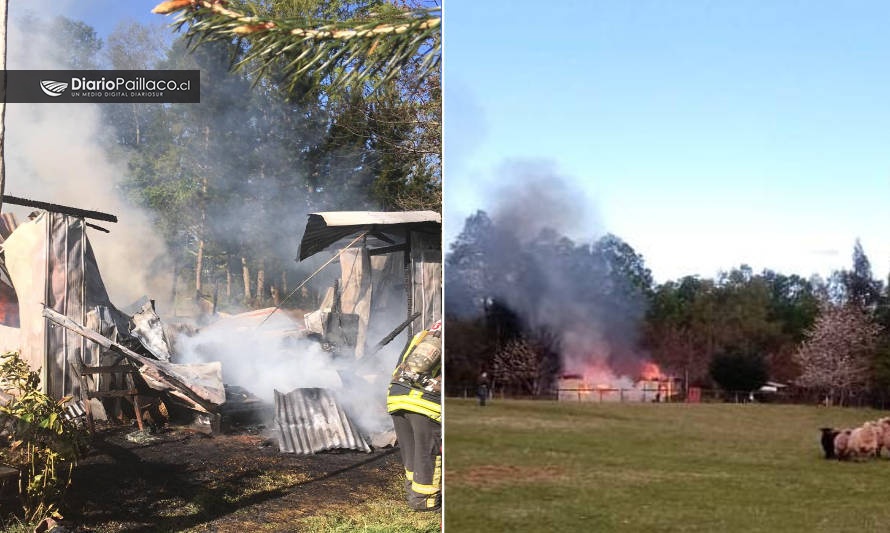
[264,358]
[53,154]
[257,359]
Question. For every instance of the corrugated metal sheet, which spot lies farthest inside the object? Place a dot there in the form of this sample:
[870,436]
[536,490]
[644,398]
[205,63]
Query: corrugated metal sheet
[311,420]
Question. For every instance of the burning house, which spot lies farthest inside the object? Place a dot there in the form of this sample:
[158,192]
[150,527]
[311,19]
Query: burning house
[601,384]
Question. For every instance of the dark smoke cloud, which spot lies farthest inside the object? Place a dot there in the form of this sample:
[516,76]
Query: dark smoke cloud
[532,196]
[553,283]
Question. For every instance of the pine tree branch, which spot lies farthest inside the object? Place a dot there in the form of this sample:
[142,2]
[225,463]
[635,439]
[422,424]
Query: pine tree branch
[370,50]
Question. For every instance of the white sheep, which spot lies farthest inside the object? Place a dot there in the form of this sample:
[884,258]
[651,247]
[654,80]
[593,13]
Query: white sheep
[841,444]
[863,441]
[883,425]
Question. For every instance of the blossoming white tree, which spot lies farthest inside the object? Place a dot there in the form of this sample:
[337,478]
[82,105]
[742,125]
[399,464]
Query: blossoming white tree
[835,356]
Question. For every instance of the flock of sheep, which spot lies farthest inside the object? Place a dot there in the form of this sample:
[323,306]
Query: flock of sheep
[863,442]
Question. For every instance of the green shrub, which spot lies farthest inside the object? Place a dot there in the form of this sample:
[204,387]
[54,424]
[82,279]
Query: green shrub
[738,370]
[36,439]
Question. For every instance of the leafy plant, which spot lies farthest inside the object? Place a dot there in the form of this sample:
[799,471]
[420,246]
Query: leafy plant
[39,441]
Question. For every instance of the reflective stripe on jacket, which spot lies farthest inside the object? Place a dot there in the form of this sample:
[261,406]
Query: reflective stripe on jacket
[404,397]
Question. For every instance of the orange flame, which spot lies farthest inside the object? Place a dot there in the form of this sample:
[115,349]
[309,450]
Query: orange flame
[650,371]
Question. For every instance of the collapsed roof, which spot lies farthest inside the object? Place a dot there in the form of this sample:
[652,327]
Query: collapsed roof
[49,263]
[390,281]
[399,258]
[326,228]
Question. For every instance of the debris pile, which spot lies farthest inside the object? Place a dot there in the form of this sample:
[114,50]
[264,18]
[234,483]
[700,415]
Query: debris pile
[55,310]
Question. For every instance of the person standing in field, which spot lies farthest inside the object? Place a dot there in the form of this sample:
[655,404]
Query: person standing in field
[415,404]
[482,389]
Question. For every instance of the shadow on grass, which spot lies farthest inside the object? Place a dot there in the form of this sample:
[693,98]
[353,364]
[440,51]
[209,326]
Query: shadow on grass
[145,496]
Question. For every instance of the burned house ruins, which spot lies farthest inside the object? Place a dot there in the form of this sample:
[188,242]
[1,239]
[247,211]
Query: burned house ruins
[55,310]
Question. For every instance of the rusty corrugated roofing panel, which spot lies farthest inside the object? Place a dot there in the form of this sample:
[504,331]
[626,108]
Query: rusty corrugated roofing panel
[311,420]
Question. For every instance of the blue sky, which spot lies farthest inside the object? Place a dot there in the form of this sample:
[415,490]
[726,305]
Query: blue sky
[102,15]
[705,134]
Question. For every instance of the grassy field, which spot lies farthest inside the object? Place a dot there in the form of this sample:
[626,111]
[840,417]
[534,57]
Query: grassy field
[546,466]
[386,514]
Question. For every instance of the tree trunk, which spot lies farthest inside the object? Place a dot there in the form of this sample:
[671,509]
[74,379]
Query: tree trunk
[215,296]
[199,266]
[260,284]
[246,273]
[135,108]
[284,281]
[228,283]
[276,300]
[175,283]
[199,259]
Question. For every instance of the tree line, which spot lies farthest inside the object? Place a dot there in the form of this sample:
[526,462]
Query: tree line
[229,181]
[507,316]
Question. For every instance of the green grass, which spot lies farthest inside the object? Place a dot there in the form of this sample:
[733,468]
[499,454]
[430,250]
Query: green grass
[384,511]
[388,514]
[548,466]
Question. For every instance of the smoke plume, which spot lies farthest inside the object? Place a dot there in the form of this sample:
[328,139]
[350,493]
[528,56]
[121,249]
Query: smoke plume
[54,154]
[567,288]
[532,196]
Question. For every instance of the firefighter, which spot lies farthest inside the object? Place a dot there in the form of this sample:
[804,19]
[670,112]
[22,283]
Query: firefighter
[414,402]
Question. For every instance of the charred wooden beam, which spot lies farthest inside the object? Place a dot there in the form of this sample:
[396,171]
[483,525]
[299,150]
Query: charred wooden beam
[389,249]
[392,334]
[100,228]
[382,236]
[63,209]
[153,368]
